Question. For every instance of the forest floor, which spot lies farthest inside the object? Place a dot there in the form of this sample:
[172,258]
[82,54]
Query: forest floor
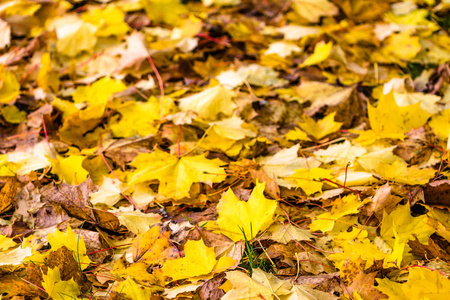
[224,149]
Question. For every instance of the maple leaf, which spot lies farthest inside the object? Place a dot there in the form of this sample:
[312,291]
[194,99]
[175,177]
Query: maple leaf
[70,169]
[132,121]
[300,292]
[341,207]
[341,154]
[399,224]
[74,35]
[399,172]
[224,134]
[167,11]
[73,242]
[15,256]
[57,288]
[13,115]
[109,20]
[284,233]
[10,87]
[321,53]
[97,95]
[198,260]
[210,103]
[133,290]
[6,242]
[175,175]
[153,247]
[241,220]
[284,163]
[261,284]
[388,120]
[309,180]
[392,52]
[109,192]
[312,10]
[441,125]
[320,128]
[296,134]
[422,284]
[137,221]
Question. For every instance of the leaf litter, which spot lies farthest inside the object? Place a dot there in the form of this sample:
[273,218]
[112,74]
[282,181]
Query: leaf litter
[234,149]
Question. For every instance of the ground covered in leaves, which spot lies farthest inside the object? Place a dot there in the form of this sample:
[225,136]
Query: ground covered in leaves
[224,149]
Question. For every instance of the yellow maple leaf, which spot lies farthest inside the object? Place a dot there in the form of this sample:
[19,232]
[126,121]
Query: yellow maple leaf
[353,250]
[309,179]
[9,88]
[6,242]
[66,107]
[241,220]
[399,48]
[15,257]
[441,124]
[139,272]
[138,222]
[399,172]
[71,241]
[74,35]
[12,114]
[176,174]
[167,11]
[296,134]
[400,225]
[388,120]
[130,288]
[285,233]
[70,169]
[321,53]
[153,247]
[320,128]
[57,288]
[45,77]
[210,103]
[198,260]
[341,207]
[261,285]
[312,10]
[96,96]
[284,163]
[137,118]
[108,20]
[422,284]
[223,134]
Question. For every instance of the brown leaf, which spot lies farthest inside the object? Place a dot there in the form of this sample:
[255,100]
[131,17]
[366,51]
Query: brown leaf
[363,284]
[383,200]
[210,289]
[64,257]
[437,193]
[271,185]
[34,119]
[8,191]
[428,252]
[95,245]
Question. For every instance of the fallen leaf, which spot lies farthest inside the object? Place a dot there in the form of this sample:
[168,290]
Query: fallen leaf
[198,260]
[176,175]
[422,283]
[210,103]
[261,284]
[320,128]
[312,10]
[245,219]
[58,289]
[321,53]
